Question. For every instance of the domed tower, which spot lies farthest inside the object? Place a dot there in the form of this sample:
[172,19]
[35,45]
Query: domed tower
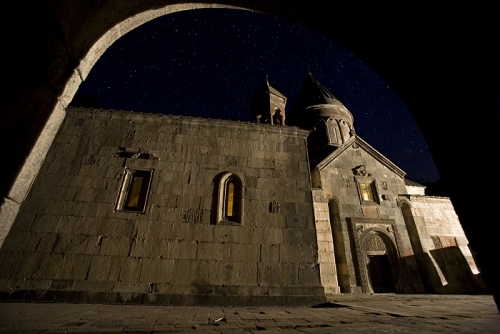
[318,109]
[268,105]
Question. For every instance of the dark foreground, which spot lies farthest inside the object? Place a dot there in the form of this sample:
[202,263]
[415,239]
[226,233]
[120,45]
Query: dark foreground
[343,314]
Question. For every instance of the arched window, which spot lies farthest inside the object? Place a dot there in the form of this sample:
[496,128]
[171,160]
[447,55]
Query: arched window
[230,204]
[332,131]
[230,199]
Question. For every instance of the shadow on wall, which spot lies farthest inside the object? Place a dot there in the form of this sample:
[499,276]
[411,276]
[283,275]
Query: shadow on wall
[453,274]
[456,271]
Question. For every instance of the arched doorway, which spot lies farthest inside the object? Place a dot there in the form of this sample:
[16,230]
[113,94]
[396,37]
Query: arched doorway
[378,263]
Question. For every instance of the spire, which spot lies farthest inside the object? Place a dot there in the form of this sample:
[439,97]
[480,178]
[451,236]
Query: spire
[317,109]
[312,94]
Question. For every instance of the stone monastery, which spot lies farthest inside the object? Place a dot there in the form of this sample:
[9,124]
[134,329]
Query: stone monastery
[158,209]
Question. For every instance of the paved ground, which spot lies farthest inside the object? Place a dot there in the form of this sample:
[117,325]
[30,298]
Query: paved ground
[343,314]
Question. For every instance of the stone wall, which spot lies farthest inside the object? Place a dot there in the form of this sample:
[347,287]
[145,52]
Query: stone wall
[338,189]
[446,258]
[70,243]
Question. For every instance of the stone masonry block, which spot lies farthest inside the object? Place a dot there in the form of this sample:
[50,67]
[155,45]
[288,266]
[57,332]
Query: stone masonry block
[74,266]
[289,274]
[18,241]
[182,249]
[99,268]
[297,254]
[115,246]
[271,235]
[8,263]
[131,270]
[299,236]
[201,232]
[245,252]
[45,223]
[212,251]
[244,273]
[48,266]
[296,221]
[46,243]
[157,270]
[80,285]
[270,253]
[269,274]
[27,265]
[247,234]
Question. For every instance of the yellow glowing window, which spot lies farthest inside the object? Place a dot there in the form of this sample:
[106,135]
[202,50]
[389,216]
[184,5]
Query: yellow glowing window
[230,199]
[135,190]
[366,192]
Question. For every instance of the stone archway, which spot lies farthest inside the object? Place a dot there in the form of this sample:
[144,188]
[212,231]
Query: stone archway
[379,259]
[49,42]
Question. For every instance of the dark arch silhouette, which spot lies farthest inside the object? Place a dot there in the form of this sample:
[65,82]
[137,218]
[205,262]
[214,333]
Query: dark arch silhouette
[441,61]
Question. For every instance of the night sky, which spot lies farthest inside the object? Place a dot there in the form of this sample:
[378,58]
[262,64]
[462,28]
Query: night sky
[209,63]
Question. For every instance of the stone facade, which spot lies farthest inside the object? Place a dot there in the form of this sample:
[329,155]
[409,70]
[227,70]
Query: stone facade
[70,241]
[142,208]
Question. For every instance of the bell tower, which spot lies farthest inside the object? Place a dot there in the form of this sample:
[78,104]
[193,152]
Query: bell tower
[268,105]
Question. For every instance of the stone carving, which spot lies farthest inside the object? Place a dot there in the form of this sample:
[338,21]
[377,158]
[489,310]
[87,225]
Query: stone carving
[352,132]
[388,229]
[129,134]
[193,216]
[231,161]
[355,146]
[136,154]
[360,229]
[361,171]
[347,181]
[370,211]
[90,160]
[375,243]
[384,185]
[274,206]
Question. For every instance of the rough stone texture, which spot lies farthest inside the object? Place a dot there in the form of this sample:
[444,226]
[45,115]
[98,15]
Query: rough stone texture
[177,247]
[444,249]
[345,222]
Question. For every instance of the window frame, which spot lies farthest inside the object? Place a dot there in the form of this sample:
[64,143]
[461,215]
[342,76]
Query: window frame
[236,217]
[128,186]
[372,185]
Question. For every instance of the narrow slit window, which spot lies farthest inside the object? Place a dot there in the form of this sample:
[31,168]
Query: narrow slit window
[230,199]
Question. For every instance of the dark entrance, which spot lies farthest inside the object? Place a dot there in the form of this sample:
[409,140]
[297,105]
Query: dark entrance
[380,273]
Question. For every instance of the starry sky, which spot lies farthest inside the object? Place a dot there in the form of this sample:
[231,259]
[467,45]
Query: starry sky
[210,62]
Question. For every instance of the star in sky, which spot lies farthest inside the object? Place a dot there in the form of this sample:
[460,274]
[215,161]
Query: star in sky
[210,62]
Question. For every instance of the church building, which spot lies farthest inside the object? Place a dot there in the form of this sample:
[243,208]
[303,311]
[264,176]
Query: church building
[159,209]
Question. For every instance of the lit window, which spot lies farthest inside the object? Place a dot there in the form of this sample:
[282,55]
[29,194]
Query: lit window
[230,199]
[134,191]
[366,191]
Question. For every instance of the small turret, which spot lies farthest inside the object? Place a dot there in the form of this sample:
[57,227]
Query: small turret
[268,105]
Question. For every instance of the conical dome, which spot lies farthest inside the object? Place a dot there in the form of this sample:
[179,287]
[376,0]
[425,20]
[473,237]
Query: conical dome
[316,102]
[319,110]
